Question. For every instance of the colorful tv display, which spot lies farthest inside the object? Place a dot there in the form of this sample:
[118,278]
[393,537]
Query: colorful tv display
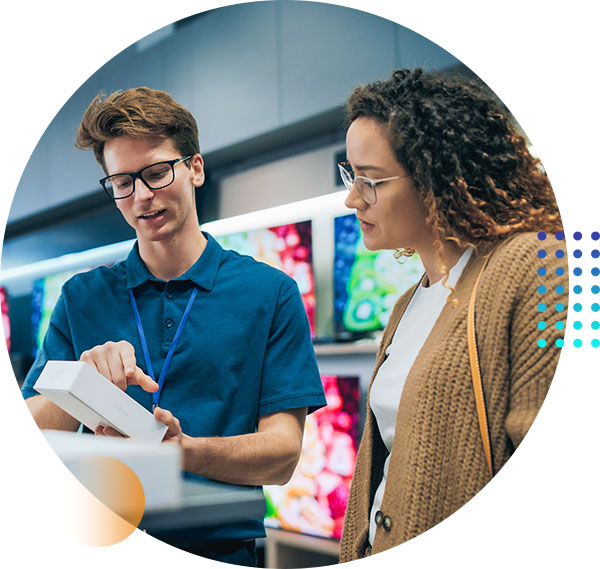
[285,247]
[314,501]
[5,316]
[366,283]
[46,291]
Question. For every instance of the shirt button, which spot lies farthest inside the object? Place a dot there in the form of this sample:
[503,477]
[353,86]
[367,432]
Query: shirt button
[169,295]
[387,523]
[168,323]
[378,518]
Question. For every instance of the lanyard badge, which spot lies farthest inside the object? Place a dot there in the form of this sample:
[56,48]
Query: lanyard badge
[167,363]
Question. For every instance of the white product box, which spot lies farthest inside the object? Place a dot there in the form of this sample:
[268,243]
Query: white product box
[89,397]
[158,467]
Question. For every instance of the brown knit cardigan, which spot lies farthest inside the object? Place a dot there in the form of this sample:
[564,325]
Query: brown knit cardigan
[437,461]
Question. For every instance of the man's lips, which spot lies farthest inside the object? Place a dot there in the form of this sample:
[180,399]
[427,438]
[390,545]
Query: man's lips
[152,214]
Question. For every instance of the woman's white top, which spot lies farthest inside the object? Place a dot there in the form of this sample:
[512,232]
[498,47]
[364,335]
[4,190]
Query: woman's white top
[417,321]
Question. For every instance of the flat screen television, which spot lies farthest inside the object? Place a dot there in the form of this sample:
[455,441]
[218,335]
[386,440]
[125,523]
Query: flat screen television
[366,283]
[46,291]
[5,316]
[285,247]
[314,501]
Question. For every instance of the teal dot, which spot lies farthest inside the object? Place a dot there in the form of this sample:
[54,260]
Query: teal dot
[595,325]
[560,307]
[595,307]
[577,289]
[541,325]
[595,343]
[560,289]
[560,325]
[559,343]
[541,343]
[577,343]
[541,307]
[577,307]
[595,289]
[542,289]
[577,325]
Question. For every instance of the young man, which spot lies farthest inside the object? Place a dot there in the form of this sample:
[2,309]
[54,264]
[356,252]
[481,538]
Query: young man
[226,337]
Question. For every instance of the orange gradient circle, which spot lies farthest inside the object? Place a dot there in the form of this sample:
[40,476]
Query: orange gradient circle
[113,504]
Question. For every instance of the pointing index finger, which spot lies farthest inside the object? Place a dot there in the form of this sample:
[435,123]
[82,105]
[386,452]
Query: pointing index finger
[143,380]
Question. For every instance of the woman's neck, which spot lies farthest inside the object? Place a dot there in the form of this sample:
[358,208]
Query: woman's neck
[434,267]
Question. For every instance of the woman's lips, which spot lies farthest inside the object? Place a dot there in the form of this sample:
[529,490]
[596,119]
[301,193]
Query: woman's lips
[365,227]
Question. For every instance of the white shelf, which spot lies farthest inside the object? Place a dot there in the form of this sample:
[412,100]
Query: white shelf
[342,349]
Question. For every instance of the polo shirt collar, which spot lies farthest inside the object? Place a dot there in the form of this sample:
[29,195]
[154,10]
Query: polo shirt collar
[203,272]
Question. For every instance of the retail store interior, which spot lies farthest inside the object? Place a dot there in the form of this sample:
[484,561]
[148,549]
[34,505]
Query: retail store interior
[266,82]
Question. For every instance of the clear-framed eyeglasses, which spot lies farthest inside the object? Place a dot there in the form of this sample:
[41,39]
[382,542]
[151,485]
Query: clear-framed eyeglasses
[155,177]
[364,185]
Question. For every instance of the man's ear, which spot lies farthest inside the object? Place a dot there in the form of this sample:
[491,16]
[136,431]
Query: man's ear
[197,168]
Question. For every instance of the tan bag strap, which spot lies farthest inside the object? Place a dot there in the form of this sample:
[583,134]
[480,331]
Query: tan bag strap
[476,374]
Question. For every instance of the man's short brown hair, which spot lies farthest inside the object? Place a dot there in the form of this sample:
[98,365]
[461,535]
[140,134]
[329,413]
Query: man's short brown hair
[140,112]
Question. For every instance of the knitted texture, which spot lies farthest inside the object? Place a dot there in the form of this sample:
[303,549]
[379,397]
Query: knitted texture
[437,462]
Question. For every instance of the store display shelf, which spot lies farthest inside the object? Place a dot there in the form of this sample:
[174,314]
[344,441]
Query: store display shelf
[285,549]
[345,348]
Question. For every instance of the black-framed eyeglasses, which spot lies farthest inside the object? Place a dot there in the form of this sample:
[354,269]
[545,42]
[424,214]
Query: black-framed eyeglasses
[155,177]
[365,186]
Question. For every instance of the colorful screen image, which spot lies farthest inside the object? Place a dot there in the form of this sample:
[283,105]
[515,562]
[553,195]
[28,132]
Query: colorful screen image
[285,247]
[5,317]
[46,291]
[314,501]
[366,283]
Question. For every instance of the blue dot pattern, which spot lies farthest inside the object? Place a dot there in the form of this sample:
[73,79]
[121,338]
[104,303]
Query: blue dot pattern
[586,300]
[542,289]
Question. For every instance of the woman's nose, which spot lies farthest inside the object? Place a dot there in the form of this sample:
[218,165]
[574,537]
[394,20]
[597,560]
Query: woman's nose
[354,200]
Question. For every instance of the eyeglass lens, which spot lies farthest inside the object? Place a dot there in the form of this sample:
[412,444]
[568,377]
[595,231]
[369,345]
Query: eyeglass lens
[155,176]
[364,185]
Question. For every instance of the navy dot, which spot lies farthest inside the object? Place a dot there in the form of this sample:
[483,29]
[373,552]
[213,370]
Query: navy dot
[560,235]
[577,271]
[541,236]
[560,253]
[595,253]
[595,236]
[541,271]
[595,271]
[577,236]
[541,253]
[577,253]
[560,271]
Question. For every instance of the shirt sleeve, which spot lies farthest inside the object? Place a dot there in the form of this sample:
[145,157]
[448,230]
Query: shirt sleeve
[57,345]
[290,377]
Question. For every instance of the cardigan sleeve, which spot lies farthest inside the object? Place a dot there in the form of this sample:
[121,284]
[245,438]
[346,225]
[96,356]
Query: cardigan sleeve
[536,335]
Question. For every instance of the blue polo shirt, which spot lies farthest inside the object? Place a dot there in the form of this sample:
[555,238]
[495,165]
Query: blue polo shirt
[245,350]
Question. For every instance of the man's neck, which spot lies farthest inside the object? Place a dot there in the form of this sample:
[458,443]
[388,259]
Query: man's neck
[171,258]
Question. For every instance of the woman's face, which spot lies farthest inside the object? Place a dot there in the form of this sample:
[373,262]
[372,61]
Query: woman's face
[397,219]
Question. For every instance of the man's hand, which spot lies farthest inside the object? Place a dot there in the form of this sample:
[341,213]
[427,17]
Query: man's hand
[116,361]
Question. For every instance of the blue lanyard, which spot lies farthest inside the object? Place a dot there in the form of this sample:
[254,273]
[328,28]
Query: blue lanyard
[165,368]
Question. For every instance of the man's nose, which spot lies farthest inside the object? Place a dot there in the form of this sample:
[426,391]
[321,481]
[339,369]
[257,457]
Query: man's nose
[141,192]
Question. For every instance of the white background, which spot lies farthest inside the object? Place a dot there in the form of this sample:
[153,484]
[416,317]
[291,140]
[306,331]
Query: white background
[541,59]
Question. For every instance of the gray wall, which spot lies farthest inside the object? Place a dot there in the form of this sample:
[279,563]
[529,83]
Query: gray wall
[243,71]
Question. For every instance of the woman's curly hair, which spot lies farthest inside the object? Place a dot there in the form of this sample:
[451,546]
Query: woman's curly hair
[469,163]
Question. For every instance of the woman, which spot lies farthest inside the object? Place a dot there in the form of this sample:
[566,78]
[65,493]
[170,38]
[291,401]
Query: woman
[435,166]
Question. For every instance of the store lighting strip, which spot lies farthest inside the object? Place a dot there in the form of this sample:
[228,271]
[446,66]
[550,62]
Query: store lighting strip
[327,205]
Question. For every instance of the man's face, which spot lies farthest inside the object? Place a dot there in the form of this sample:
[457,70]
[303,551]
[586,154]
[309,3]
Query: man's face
[160,214]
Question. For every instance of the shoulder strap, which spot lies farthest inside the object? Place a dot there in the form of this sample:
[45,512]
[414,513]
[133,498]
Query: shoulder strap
[476,373]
